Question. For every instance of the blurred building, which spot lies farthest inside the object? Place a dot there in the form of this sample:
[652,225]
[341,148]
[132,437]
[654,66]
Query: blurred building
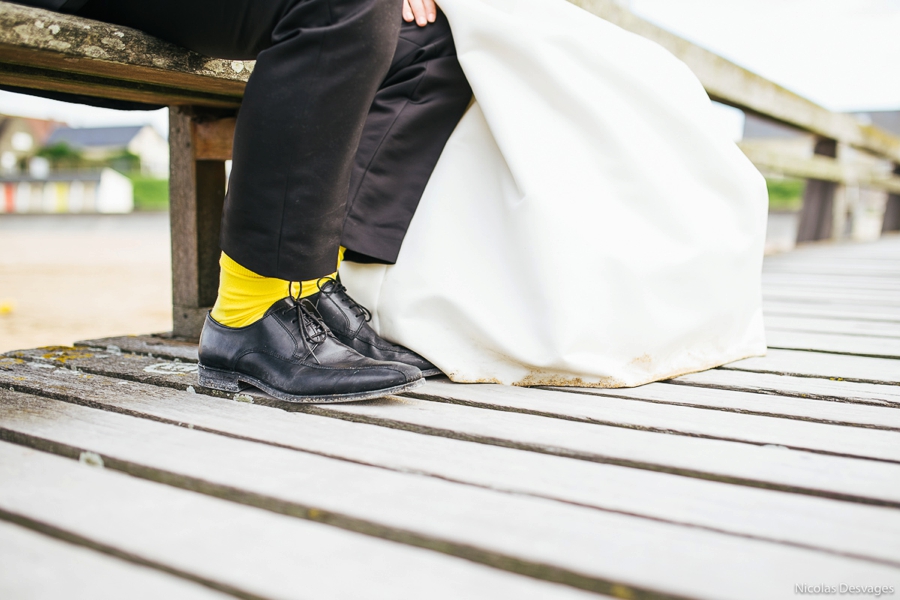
[21,138]
[94,191]
[107,144]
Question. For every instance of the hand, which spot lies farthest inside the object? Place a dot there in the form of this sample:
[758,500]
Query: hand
[423,11]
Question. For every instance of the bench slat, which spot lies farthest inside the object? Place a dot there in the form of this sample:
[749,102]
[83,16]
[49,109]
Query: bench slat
[48,50]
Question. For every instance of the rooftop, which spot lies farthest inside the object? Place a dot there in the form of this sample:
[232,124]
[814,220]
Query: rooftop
[94,136]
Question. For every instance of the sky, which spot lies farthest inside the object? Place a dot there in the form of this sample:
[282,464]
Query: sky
[842,54]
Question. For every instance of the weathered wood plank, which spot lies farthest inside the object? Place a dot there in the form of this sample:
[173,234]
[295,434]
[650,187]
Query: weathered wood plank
[885,300]
[579,541]
[149,345]
[860,345]
[37,566]
[48,50]
[808,409]
[688,420]
[841,326]
[837,293]
[818,281]
[864,270]
[820,168]
[876,254]
[213,138]
[830,310]
[104,87]
[768,466]
[248,552]
[765,514]
[877,249]
[803,387]
[859,369]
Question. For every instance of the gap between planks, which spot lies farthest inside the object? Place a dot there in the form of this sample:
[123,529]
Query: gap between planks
[828,390]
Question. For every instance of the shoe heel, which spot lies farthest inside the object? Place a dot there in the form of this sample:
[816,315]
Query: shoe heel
[219,380]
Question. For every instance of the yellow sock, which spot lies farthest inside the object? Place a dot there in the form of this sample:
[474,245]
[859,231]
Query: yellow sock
[244,297]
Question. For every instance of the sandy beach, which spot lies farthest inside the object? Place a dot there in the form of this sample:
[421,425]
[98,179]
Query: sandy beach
[70,277]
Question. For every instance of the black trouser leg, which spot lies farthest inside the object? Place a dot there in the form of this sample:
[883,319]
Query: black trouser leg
[319,66]
[300,124]
[419,104]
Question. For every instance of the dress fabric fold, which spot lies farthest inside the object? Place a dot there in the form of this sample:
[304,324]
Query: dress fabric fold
[587,223]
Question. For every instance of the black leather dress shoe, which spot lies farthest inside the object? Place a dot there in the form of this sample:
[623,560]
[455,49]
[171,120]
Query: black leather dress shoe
[349,321]
[291,354]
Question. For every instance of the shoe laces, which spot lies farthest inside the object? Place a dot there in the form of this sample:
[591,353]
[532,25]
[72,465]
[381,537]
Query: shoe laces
[332,286]
[313,330]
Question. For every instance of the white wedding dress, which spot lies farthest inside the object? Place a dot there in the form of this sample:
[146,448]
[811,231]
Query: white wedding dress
[587,223]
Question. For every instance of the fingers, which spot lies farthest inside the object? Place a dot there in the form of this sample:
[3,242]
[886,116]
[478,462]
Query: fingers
[422,11]
[407,12]
[430,10]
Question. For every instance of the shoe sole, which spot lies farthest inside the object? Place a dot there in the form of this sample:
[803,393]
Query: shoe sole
[432,372]
[230,381]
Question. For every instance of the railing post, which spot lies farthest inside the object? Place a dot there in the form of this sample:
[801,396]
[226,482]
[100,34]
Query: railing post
[892,209]
[817,215]
[197,193]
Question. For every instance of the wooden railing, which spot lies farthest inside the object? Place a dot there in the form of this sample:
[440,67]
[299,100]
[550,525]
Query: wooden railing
[41,50]
[735,86]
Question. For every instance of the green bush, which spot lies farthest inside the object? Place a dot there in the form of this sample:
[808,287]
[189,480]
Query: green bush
[785,194]
[150,193]
[62,156]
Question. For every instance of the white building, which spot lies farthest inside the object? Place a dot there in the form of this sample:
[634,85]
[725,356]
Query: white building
[102,143]
[95,191]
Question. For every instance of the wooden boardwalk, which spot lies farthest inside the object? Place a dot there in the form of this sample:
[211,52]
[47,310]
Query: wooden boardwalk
[741,482]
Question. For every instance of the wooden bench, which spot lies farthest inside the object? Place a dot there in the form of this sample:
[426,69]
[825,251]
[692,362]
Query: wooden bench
[48,51]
